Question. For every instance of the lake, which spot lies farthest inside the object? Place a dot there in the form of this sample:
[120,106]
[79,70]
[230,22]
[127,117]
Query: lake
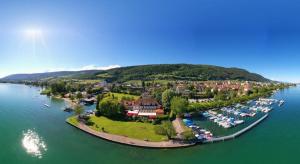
[32,133]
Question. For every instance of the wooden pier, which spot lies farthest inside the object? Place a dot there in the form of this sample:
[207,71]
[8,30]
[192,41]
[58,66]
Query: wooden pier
[232,136]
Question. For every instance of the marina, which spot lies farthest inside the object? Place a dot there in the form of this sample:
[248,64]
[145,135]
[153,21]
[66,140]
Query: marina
[217,139]
[229,122]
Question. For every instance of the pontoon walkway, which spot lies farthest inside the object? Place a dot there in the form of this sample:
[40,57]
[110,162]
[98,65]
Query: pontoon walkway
[232,136]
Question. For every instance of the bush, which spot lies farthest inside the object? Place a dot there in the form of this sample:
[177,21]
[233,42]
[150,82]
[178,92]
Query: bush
[89,123]
[188,135]
[159,130]
[46,92]
[162,117]
[166,128]
[156,121]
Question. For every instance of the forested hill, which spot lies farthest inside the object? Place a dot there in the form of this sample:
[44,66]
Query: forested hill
[40,76]
[149,72]
[179,72]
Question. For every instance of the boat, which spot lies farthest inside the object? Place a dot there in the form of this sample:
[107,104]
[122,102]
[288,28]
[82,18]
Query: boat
[47,105]
[68,109]
[281,102]
[237,122]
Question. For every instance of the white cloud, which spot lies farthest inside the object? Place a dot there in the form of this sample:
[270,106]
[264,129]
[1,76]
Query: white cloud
[88,67]
[93,67]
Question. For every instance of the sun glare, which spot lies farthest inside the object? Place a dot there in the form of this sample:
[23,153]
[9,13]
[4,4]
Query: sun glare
[33,33]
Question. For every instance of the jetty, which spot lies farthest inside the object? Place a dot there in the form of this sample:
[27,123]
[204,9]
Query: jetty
[237,134]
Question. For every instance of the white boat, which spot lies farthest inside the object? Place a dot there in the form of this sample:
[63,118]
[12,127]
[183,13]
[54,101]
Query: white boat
[213,117]
[47,105]
[281,102]
[239,122]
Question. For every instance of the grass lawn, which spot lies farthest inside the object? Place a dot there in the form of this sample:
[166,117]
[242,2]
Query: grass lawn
[73,120]
[119,96]
[139,82]
[88,81]
[136,130]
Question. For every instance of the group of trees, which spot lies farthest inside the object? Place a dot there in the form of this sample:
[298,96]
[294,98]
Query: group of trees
[174,104]
[179,105]
[61,87]
[166,128]
[110,107]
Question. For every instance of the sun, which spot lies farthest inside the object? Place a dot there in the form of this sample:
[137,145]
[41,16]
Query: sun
[33,33]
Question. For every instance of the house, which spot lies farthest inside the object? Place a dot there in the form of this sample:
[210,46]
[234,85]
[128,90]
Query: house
[145,106]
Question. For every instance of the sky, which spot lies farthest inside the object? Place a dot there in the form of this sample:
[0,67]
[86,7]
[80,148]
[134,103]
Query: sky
[262,36]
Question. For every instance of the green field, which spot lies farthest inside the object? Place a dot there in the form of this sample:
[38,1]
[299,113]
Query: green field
[139,82]
[137,130]
[89,81]
[73,120]
[119,96]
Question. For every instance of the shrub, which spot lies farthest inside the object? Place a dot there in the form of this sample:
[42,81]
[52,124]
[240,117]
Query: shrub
[159,130]
[188,135]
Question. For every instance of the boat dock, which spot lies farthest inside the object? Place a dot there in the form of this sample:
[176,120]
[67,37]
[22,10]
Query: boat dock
[232,136]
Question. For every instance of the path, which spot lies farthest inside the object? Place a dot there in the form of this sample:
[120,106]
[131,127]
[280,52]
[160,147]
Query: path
[177,123]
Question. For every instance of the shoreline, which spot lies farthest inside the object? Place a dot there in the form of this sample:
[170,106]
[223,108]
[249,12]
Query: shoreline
[163,144]
[131,141]
[67,101]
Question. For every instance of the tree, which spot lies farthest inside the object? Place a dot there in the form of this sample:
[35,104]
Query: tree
[157,94]
[99,98]
[78,109]
[111,108]
[169,85]
[188,135]
[167,95]
[232,94]
[143,84]
[220,96]
[209,93]
[79,95]
[179,105]
[166,128]
[58,87]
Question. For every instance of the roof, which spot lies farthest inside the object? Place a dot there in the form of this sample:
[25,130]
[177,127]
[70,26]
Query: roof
[146,102]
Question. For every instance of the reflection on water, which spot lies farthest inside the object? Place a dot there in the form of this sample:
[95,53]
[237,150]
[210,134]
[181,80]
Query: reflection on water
[33,144]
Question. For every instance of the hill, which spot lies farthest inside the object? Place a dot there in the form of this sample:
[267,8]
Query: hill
[149,72]
[179,72]
[89,74]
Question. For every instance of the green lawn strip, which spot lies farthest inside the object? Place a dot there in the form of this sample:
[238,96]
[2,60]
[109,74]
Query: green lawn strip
[73,120]
[135,130]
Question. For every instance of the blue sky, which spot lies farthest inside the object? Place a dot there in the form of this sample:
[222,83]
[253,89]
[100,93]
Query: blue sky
[261,36]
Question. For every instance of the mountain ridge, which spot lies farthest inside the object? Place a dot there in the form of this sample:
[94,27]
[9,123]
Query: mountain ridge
[149,72]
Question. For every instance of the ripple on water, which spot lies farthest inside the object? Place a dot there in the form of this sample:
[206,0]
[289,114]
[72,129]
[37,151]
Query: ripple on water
[33,144]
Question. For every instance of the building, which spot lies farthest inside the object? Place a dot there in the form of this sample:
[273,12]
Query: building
[145,106]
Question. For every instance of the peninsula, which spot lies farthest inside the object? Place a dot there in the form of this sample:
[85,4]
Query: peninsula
[154,105]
